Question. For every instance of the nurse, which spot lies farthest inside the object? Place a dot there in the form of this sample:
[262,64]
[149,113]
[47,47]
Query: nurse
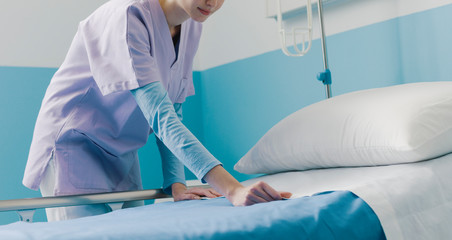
[126,75]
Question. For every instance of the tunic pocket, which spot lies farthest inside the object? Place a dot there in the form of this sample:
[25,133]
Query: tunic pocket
[92,167]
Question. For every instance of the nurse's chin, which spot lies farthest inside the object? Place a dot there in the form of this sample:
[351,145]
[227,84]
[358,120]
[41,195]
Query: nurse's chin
[200,18]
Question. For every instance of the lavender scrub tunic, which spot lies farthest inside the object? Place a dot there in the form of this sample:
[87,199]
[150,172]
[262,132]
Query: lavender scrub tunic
[89,122]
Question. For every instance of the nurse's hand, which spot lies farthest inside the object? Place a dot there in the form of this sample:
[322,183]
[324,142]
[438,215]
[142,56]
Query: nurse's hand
[239,195]
[180,192]
[259,192]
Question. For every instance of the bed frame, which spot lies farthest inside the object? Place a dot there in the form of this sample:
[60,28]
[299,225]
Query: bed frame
[26,207]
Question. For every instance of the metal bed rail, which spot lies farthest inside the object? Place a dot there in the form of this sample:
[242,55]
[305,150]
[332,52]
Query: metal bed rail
[26,207]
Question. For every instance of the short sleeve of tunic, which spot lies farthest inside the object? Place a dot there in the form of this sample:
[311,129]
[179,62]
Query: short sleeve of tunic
[121,40]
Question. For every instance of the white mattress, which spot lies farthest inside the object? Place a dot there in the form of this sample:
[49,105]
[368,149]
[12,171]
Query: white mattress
[412,201]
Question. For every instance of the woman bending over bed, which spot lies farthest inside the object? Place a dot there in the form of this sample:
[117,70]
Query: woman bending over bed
[126,75]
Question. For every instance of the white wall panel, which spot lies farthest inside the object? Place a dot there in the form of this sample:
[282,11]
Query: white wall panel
[241,30]
[38,33]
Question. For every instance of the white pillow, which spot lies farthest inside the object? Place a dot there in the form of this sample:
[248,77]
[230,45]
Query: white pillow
[391,125]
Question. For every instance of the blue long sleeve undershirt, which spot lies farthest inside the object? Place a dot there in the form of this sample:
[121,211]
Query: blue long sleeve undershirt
[172,168]
[179,143]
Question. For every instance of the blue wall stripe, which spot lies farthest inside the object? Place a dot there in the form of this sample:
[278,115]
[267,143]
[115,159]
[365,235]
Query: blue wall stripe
[21,93]
[426,45]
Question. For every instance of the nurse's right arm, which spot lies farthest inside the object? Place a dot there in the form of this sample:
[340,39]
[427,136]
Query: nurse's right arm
[157,108]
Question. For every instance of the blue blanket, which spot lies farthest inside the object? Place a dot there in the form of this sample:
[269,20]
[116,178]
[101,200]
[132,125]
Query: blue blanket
[328,215]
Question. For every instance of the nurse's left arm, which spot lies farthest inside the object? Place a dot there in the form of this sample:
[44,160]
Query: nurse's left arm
[148,98]
[174,174]
[174,178]
[172,168]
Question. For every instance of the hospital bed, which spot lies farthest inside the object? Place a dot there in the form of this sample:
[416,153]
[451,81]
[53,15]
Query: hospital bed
[373,164]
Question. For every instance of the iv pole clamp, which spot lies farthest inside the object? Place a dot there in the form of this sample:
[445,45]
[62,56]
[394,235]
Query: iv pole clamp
[324,76]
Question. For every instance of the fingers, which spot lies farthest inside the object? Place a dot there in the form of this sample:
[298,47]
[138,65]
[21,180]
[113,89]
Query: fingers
[186,196]
[211,190]
[262,192]
[270,191]
[285,194]
[196,194]
[258,193]
[204,192]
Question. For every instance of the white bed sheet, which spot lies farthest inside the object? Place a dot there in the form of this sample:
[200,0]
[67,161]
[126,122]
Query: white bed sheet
[412,201]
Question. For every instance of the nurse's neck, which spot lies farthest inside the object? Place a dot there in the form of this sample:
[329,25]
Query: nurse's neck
[175,15]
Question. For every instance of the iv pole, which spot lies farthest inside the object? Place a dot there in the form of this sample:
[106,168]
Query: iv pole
[324,76]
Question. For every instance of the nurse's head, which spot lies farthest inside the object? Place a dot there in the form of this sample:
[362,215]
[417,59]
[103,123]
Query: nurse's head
[177,11]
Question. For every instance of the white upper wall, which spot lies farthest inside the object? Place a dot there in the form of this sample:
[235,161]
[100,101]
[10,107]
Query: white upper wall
[240,30]
[39,33]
